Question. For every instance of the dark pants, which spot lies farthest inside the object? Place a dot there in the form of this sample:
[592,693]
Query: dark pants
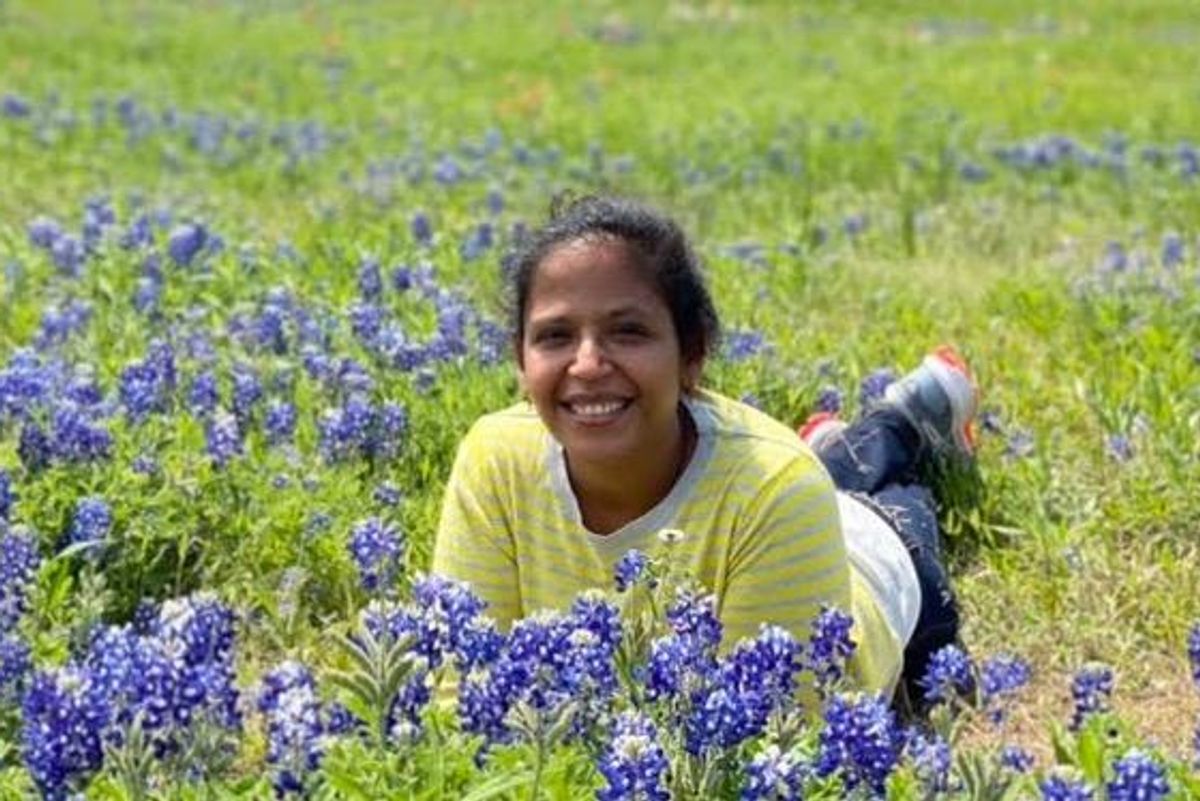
[877,458]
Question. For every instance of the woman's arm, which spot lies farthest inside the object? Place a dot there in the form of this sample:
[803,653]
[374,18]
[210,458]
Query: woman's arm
[474,538]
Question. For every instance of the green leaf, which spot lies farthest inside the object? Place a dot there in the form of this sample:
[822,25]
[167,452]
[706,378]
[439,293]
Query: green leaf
[499,785]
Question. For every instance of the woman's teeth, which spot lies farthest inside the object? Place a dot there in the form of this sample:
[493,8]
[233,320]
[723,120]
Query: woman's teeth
[597,409]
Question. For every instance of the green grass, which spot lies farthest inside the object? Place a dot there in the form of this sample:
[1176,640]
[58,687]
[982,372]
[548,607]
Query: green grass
[1068,555]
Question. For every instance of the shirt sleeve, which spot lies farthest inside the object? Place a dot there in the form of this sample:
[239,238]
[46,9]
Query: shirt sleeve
[474,540]
[790,558]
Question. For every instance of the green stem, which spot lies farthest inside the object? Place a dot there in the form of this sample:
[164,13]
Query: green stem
[539,761]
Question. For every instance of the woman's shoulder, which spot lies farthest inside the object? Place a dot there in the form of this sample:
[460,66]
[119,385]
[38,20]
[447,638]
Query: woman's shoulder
[735,421]
[512,433]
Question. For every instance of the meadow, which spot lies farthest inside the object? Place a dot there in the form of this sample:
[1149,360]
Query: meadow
[252,294]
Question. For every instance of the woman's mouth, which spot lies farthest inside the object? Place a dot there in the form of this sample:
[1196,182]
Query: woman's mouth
[596,412]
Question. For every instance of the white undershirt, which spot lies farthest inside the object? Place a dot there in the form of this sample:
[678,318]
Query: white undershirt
[877,553]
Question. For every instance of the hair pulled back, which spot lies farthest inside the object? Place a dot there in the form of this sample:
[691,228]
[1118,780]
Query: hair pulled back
[657,241]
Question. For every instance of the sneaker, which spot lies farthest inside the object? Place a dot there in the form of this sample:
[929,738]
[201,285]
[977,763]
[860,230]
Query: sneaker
[940,399]
[820,428]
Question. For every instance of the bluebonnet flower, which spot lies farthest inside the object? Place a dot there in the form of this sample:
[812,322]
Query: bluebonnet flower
[1000,677]
[493,342]
[931,761]
[68,255]
[1172,254]
[634,765]
[854,224]
[366,323]
[247,392]
[1115,259]
[296,735]
[392,425]
[8,496]
[19,563]
[1063,787]
[77,439]
[44,232]
[144,464]
[1119,447]
[370,279]
[378,551]
[763,671]
[33,447]
[774,775]
[694,615]
[185,242]
[1016,759]
[1091,689]
[859,742]
[387,494]
[873,386]
[446,171]
[630,569]
[57,325]
[829,646]
[147,295]
[675,663]
[948,674]
[92,521]
[495,201]
[200,633]
[140,233]
[280,422]
[222,438]
[142,390]
[346,431]
[204,395]
[64,715]
[477,242]
[421,227]
[830,399]
[1193,650]
[15,664]
[1138,777]
[742,345]
[140,681]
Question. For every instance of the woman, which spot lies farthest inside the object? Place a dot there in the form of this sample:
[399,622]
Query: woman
[616,442]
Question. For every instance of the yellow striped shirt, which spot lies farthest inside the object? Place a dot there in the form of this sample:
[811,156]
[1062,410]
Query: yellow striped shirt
[757,508]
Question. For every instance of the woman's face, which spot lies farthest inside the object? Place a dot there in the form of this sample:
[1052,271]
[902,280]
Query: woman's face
[600,357]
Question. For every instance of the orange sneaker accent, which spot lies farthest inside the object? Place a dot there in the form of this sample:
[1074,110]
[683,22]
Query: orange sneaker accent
[814,421]
[950,355]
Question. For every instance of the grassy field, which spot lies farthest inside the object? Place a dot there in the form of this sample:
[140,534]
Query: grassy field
[864,180]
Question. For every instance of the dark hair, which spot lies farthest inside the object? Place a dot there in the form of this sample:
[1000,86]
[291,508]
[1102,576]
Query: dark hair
[657,240]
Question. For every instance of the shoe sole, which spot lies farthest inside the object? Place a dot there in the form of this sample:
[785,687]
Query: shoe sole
[947,370]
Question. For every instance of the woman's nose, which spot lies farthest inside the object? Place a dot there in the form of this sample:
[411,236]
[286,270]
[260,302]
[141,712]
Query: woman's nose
[589,358]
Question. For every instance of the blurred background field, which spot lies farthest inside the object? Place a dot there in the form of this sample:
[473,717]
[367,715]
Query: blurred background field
[864,180]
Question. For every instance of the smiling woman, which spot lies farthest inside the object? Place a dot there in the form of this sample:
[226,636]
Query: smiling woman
[617,442]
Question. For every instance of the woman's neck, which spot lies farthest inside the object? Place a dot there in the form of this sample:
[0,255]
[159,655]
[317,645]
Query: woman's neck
[610,496]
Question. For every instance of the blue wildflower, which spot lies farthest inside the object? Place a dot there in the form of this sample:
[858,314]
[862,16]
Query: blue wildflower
[874,385]
[1119,447]
[370,279]
[1173,252]
[280,422]
[19,563]
[204,395]
[1062,787]
[830,400]
[1000,678]
[859,742]
[774,775]
[391,425]
[1138,777]
[296,738]
[742,345]
[222,438]
[829,647]
[185,242]
[948,674]
[634,765]
[33,447]
[75,438]
[44,232]
[421,227]
[91,523]
[387,494]
[630,569]
[64,715]
[1091,689]
[247,392]
[378,551]
[694,615]
[931,760]
[1020,444]
[1016,759]
[68,255]
[763,672]
[15,664]
[8,496]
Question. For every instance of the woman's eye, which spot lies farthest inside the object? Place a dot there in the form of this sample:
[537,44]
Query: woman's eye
[632,331]
[550,337]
